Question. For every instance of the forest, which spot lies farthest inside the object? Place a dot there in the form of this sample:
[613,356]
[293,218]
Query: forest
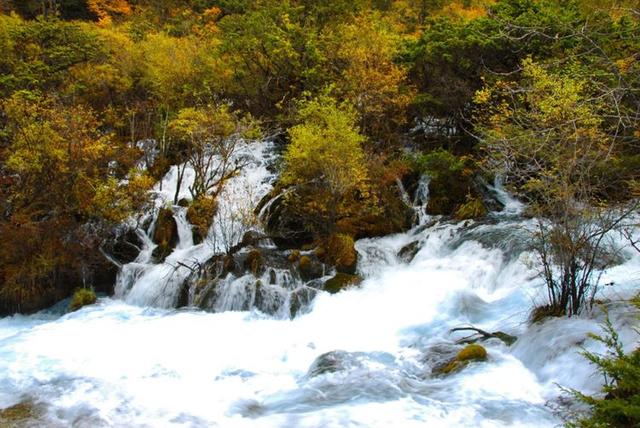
[99,99]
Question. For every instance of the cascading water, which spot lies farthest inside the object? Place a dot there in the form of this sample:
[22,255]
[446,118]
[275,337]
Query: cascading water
[362,357]
[146,283]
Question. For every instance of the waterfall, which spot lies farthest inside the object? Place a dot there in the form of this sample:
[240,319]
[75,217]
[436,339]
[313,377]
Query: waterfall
[147,283]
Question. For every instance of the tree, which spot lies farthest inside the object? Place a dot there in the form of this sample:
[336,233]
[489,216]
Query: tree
[325,164]
[106,9]
[362,52]
[62,194]
[547,135]
[208,139]
[619,405]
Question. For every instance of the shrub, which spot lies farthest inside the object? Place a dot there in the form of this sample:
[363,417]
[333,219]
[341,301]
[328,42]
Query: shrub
[82,297]
[619,404]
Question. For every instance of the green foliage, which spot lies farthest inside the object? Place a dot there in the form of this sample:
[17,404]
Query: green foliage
[325,163]
[200,215]
[618,405]
[82,297]
[451,188]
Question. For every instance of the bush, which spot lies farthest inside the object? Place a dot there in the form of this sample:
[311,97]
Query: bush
[619,404]
[200,215]
[82,297]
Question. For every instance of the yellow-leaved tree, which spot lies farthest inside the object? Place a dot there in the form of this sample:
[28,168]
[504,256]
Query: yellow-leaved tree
[362,53]
[325,164]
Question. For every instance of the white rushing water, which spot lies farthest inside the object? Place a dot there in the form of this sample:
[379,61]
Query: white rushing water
[143,282]
[125,364]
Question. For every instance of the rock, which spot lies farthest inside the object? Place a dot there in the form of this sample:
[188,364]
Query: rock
[254,263]
[541,313]
[329,362]
[473,352]
[200,215]
[126,247]
[506,338]
[82,297]
[20,415]
[184,202]
[294,256]
[310,268]
[165,234]
[341,281]
[409,251]
[340,251]
[300,298]
[229,265]
[282,222]
[471,209]
[252,237]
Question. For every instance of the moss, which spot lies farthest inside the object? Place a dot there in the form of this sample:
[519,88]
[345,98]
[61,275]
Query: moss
[200,215]
[507,339]
[473,352]
[341,253]
[341,281]
[474,208]
[254,262]
[18,414]
[228,264]
[305,262]
[82,297]
[165,234]
[541,313]
[294,256]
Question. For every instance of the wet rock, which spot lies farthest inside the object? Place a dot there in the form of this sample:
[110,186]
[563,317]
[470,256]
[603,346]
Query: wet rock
[340,251]
[300,299]
[341,281]
[20,415]
[330,362]
[82,297]
[310,268]
[409,251]
[282,222]
[470,353]
[125,247]
[165,234]
[254,263]
[504,337]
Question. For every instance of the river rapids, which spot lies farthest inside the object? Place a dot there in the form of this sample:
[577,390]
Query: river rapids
[359,358]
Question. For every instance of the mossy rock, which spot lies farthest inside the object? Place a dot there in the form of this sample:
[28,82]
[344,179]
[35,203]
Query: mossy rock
[200,215]
[507,339]
[310,268]
[20,414]
[294,256]
[340,251]
[228,264]
[82,297]
[473,352]
[254,262]
[541,313]
[165,234]
[341,281]
[474,208]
